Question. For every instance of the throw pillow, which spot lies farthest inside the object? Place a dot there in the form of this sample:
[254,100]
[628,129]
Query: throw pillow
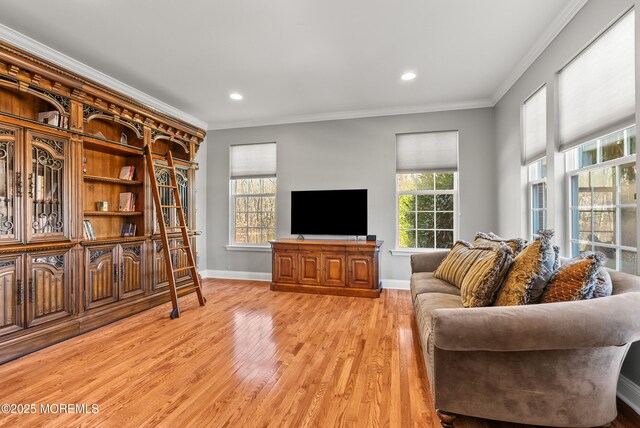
[530,272]
[492,240]
[575,280]
[482,282]
[604,286]
[455,266]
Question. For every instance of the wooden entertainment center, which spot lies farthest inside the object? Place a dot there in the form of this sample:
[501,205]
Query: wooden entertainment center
[55,280]
[345,268]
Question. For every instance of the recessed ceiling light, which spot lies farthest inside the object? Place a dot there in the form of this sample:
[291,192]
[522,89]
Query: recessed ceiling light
[409,75]
[236,96]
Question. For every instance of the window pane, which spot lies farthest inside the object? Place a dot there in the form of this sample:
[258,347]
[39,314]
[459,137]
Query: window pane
[537,221]
[241,235]
[613,146]
[425,202]
[269,204]
[628,183]
[629,262]
[241,219]
[588,154]
[253,219]
[604,226]
[609,254]
[407,238]
[444,239]
[603,184]
[407,219]
[253,236]
[406,182]
[444,181]
[269,185]
[406,203]
[444,202]
[631,134]
[425,220]
[584,226]
[628,231]
[425,239]
[425,181]
[444,220]
[583,196]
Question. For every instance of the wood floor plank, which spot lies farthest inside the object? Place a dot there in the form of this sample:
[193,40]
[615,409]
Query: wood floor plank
[249,358]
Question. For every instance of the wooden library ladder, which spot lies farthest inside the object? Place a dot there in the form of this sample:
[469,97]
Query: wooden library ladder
[182,226]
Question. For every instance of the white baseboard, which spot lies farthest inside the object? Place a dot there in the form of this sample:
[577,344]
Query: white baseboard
[629,392]
[232,274]
[390,284]
[395,284]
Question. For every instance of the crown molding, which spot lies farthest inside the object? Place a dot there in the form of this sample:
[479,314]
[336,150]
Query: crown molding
[353,114]
[43,51]
[558,24]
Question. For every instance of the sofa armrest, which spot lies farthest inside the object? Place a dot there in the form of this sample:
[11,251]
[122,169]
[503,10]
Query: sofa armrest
[427,262]
[605,321]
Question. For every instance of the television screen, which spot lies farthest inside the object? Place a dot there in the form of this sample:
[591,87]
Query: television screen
[329,212]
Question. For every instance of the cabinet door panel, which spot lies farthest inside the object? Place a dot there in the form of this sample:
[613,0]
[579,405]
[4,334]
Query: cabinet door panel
[131,270]
[48,288]
[284,267]
[47,187]
[334,270]
[360,271]
[309,268]
[101,281]
[11,296]
[11,185]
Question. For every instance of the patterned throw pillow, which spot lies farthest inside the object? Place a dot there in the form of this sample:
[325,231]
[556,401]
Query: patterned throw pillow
[576,279]
[492,240]
[482,282]
[455,266]
[603,287]
[530,272]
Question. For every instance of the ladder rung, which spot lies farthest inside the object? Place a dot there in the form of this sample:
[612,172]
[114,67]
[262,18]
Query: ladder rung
[170,206]
[178,247]
[175,227]
[162,166]
[182,268]
[168,187]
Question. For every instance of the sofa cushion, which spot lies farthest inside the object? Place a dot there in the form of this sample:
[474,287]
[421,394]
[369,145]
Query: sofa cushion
[530,272]
[482,282]
[492,240]
[455,266]
[575,280]
[425,282]
[426,303]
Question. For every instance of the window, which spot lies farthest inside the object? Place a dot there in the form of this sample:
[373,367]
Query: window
[602,177]
[537,173]
[253,194]
[426,188]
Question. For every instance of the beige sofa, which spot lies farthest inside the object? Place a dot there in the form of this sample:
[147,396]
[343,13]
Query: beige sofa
[553,364]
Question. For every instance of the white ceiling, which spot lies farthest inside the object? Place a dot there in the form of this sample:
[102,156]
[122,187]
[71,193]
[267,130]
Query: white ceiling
[296,60]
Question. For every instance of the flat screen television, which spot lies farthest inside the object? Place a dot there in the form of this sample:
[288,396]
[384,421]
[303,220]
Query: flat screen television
[329,212]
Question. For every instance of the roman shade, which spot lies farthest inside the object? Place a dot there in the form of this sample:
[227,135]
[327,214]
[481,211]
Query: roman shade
[252,160]
[427,151]
[534,112]
[597,88]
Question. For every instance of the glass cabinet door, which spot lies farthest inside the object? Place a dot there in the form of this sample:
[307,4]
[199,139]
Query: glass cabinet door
[10,185]
[163,176]
[47,205]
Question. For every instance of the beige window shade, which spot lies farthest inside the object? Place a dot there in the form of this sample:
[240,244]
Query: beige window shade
[252,160]
[534,113]
[597,88]
[427,151]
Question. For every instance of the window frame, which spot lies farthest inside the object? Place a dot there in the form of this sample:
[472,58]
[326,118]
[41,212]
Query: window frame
[455,192]
[541,179]
[232,214]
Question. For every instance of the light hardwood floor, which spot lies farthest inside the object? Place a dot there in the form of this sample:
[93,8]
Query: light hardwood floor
[250,358]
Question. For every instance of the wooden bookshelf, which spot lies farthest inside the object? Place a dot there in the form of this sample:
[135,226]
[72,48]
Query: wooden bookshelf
[112,180]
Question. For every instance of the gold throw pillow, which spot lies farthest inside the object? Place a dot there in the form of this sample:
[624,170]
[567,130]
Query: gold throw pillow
[492,240]
[455,266]
[482,282]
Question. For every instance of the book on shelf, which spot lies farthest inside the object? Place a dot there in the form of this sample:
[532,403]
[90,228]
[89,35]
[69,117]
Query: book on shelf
[53,118]
[99,135]
[39,187]
[127,202]
[89,233]
[128,229]
[126,172]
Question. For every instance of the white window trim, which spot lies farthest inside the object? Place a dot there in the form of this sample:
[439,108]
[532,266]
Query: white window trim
[406,252]
[232,245]
[612,163]
[531,209]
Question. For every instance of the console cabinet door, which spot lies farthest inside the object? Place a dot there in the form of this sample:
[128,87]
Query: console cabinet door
[48,291]
[11,295]
[334,270]
[47,187]
[160,278]
[284,267]
[360,271]
[101,282]
[309,265]
[11,185]
[131,270]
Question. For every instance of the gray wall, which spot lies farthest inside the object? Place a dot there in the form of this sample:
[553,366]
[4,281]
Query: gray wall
[590,21]
[354,153]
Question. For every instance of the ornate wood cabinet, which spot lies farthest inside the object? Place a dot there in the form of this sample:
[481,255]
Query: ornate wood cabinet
[67,266]
[346,268]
